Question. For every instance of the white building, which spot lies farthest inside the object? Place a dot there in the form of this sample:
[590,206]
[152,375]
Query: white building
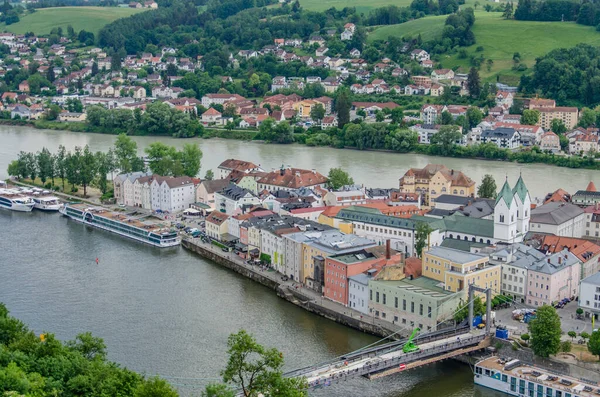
[512,212]
[345,197]
[119,186]
[358,292]
[560,219]
[233,198]
[172,194]
[589,296]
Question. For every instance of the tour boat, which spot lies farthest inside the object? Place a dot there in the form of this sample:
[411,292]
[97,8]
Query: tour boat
[515,378]
[135,228]
[47,203]
[13,200]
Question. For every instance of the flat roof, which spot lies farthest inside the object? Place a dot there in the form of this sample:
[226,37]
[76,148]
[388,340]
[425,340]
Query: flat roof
[454,255]
[420,285]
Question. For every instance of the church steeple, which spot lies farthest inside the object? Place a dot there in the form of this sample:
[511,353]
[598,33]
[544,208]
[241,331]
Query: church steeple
[520,189]
[505,194]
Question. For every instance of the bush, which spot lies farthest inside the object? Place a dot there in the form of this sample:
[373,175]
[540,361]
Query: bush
[565,346]
[48,185]
[479,49]
[525,337]
[74,189]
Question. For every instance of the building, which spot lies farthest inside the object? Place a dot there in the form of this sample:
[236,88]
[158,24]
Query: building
[560,219]
[411,302]
[584,144]
[172,194]
[568,115]
[358,291]
[456,270]
[550,142]
[586,251]
[232,199]
[504,138]
[553,278]
[512,213]
[515,260]
[587,197]
[219,99]
[345,197]
[119,180]
[589,296]
[229,165]
[435,180]
[205,193]
[291,179]
[216,225]
[339,268]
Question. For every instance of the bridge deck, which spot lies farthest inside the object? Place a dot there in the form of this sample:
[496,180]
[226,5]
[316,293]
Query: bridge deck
[396,361]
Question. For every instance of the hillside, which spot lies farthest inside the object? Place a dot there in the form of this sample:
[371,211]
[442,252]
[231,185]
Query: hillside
[92,19]
[500,39]
[361,5]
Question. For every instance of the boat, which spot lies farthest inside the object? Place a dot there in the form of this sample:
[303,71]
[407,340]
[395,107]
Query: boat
[46,203]
[13,200]
[515,378]
[135,228]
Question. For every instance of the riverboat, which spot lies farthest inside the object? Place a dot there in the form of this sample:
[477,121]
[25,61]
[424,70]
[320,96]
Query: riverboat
[47,203]
[135,228]
[516,378]
[15,201]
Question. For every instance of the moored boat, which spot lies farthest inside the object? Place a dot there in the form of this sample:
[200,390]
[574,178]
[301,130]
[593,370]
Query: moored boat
[15,201]
[46,203]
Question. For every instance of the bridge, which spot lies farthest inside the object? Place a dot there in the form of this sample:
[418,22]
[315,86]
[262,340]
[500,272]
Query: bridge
[389,358]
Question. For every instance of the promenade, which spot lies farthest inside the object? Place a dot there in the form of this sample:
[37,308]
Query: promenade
[296,292]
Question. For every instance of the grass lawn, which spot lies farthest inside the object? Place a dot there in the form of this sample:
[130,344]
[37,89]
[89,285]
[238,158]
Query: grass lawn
[500,39]
[360,5]
[92,19]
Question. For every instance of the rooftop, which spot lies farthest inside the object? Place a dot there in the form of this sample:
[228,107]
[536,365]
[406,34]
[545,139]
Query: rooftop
[555,213]
[454,255]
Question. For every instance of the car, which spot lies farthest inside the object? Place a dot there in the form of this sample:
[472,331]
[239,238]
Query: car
[187,229]
[122,205]
[225,249]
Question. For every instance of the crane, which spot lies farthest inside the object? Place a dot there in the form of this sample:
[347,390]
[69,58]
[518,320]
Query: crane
[409,346]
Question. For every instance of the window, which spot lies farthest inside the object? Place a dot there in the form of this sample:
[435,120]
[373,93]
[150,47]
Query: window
[396,302]
[384,300]
[420,310]
[404,304]
[377,297]
[371,295]
[412,307]
[429,311]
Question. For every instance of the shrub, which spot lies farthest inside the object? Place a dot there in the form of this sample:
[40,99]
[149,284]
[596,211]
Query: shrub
[525,337]
[479,49]
[566,346]
[48,185]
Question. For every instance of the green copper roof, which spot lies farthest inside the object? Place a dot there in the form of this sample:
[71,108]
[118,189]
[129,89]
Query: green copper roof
[520,189]
[459,224]
[505,193]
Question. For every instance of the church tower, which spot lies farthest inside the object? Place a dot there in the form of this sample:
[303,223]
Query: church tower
[505,215]
[523,203]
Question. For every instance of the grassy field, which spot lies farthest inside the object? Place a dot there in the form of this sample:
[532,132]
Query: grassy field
[360,5]
[500,39]
[92,19]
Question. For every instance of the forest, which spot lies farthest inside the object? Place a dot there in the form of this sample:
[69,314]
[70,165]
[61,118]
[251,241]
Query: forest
[585,12]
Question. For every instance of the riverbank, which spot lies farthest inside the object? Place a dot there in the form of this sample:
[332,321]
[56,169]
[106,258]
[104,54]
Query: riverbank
[294,293]
[375,144]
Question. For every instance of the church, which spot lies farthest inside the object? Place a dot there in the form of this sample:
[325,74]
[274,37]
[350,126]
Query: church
[512,212]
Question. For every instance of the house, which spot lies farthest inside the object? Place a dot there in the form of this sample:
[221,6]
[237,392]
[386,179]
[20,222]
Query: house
[589,296]
[541,103]
[21,112]
[504,138]
[351,196]
[431,113]
[346,35]
[172,194]
[504,99]
[553,278]
[228,166]
[559,219]
[211,116]
[219,99]
[329,122]
[123,192]
[232,199]
[550,142]
[205,192]
[24,86]
[355,53]
[584,144]
[290,179]
[135,5]
[216,225]
[586,251]
[436,90]
[350,26]
[138,92]
[442,74]
[321,51]
[151,4]
[590,196]
[568,115]
[419,55]
[435,180]
[72,117]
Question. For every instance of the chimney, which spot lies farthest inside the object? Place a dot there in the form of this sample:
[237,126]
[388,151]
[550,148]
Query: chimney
[388,251]
[548,260]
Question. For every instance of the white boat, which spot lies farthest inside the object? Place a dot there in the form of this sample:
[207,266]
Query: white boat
[135,228]
[46,203]
[15,201]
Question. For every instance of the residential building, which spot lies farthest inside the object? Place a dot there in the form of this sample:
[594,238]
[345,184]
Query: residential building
[589,296]
[587,197]
[291,179]
[172,194]
[216,225]
[458,269]
[586,251]
[435,180]
[229,165]
[358,291]
[504,138]
[550,142]
[553,278]
[584,144]
[568,115]
[219,99]
[515,260]
[233,199]
[205,193]
[560,219]
[352,196]
[118,182]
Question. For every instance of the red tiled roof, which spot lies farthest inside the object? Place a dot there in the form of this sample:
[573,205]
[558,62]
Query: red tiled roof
[293,178]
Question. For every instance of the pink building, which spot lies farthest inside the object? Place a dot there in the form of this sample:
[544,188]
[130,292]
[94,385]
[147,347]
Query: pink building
[553,278]
[339,267]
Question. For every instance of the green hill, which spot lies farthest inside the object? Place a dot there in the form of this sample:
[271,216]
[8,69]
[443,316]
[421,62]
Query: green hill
[499,38]
[92,19]
[361,5]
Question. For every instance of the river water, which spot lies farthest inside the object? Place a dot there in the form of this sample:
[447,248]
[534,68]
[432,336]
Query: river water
[169,312]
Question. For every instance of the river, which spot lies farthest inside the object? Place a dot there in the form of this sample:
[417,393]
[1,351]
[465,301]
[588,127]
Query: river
[373,169]
[169,312]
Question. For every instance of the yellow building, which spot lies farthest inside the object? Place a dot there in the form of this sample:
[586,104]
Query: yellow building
[458,269]
[304,107]
[568,115]
[435,180]
[328,218]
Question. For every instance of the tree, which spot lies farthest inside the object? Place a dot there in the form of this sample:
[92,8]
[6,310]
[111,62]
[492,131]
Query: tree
[579,312]
[338,178]
[525,337]
[545,332]
[161,158]
[474,116]
[566,346]
[422,233]
[587,119]
[125,153]
[13,169]
[60,159]
[342,107]
[88,345]
[155,387]
[584,335]
[530,117]
[446,138]
[572,334]
[397,115]
[190,159]
[52,112]
[255,370]
[446,118]
[558,126]
[508,11]
[379,116]
[488,188]
[317,112]
[462,312]
[210,175]
[593,344]
[88,168]
[473,83]
[105,162]
[72,163]
[45,165]
[29,165]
